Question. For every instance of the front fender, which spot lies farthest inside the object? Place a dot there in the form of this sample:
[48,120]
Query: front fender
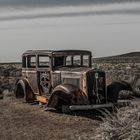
[64,95]
[68,89]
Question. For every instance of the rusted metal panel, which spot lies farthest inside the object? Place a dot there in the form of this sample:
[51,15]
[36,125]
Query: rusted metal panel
[42,99]
[84,83]
[31,76]
[79,98]
[56,79]
[44,82]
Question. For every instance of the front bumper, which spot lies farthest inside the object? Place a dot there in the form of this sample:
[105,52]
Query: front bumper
[99,106]
[90,107]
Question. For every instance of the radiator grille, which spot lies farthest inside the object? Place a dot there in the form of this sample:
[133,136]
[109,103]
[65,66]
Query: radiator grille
[96,83]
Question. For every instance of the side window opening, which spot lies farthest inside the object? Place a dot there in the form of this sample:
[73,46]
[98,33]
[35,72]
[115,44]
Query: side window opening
[43,61]
[68,61]
[77,60]
[24,65]
[86,60]
[59,61]
[32,61]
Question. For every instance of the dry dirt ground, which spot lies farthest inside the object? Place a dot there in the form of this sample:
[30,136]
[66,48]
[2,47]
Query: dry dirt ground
[22,121]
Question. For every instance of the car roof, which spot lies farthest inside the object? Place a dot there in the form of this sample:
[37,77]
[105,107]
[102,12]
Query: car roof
[56,52]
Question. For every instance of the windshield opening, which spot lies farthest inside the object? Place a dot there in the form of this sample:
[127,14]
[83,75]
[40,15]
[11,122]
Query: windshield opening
[71,61]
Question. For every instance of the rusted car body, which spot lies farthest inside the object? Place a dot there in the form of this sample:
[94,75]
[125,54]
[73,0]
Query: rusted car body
[62,78]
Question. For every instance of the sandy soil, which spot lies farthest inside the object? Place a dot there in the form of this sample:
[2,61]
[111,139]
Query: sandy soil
[20,121]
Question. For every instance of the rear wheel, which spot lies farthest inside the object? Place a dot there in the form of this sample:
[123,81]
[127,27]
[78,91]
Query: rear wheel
[65,109]
[114,89]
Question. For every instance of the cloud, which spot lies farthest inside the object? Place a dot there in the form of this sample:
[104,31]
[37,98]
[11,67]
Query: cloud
[60,3]
[71,11]
[88,13]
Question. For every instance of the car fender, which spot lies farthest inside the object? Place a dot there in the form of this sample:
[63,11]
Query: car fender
[28,92]
[65,93]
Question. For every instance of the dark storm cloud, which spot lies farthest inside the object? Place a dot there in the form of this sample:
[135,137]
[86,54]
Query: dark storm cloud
[26,6]
[49,3]
[46,15]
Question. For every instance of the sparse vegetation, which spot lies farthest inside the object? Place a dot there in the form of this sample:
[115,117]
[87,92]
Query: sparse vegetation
[8,75]
[118,71]
[123,125]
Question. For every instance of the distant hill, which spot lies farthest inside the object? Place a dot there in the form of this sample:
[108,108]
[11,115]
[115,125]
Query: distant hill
[132,57]
[131,54]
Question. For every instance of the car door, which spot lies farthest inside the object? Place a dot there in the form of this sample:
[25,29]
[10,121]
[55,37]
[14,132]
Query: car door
[31,73]
[44,75]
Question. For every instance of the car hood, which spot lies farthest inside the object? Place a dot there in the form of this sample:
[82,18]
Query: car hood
[74,69]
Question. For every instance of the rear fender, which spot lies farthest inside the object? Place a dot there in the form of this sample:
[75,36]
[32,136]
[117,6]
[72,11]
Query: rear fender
[20,89]
[28,92]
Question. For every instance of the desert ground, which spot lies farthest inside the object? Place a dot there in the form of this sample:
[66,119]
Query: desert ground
[25,121]
[19,121]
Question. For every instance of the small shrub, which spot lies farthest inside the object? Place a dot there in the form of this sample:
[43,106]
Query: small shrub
[122,125]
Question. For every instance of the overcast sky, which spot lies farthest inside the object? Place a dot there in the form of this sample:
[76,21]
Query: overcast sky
[106,27]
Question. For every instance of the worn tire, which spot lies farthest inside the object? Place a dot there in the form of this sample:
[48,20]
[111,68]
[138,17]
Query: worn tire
[59,99]
[114,89]
[65,109]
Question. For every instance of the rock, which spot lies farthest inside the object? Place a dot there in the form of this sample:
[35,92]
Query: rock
[7,94]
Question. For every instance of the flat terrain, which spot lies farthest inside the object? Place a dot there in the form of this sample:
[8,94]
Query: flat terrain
[21,121]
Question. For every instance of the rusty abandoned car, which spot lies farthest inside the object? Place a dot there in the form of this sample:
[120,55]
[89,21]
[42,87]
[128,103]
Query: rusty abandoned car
[65,79]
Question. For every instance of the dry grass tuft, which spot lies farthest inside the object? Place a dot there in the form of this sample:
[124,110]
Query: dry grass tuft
[122,125]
